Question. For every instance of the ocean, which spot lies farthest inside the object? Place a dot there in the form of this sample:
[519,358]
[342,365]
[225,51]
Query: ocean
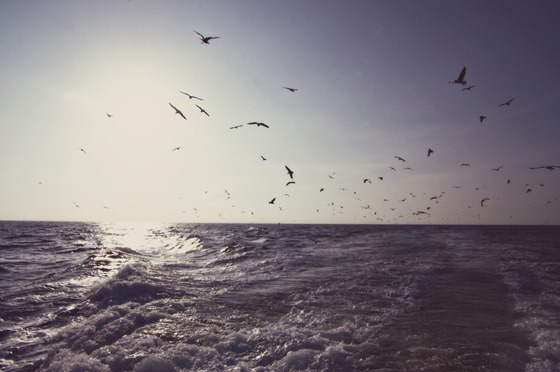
[237,297]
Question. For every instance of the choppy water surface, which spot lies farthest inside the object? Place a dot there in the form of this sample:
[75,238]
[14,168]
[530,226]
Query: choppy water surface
[108,297]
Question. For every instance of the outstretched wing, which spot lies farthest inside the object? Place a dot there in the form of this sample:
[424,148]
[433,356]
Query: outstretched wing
[462,74]
[202,36]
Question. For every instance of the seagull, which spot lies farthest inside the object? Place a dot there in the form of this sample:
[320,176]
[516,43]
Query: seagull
[549,167]
[367,180]
[258,124]
[289,172]
[290,183]
[202,110]
[482,201]
[506,103]
[430,151]
[205,39]
[177,111]
[393,168]
[461,78]
[290,89]
[399,158]
[263,158]
[529,190]
[272,201]
[82,150]
[236,126]
[177,148]
[468,88]
[497,169]
[191,97]
[381,178]
[481,118]
[108,115]
[76,205]
[465,165]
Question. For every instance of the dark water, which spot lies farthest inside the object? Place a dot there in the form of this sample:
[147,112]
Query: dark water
[108,297]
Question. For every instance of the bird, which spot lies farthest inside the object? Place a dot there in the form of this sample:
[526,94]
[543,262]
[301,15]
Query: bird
[430,151]
[497,169]
[202,110]
[381,178]
[461,78]
[481,118]
[290,173]
[290,183]
[549,167]
[76,205]
[482,201]
[236,126]
[272,201]
[393,169]
[465,165]
[399,158]
[529,190]
[177,111]
[108,115]
[177,148]
[258,124]
[290,89]
[82,150]
[321,189]
[468,88]
[367,180]
[506,103]
[190,96]
[263,158]
[206,39]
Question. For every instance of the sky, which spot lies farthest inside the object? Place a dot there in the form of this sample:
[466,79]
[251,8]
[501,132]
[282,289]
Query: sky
[372,80]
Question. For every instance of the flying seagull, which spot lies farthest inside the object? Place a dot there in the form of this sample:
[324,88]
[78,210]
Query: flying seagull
[497,169]
[465,165]
[108,115]
[506,103]
[290,89]
[461,78]
[549,167]
[177,111]
[202,110]
[468,88]
[399,158]
[481,118]
[482,201]
[190,96]
[177,148]
[82,150]
[236,126]
[367,180]
[258,124]
[290,183]
[263,158]
[205,39]
[430,152]
[272,201]
[289,172]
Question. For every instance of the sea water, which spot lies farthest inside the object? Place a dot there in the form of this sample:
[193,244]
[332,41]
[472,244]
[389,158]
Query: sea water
[227,297]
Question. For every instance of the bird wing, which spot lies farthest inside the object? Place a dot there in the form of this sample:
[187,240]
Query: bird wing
[462,74]
[175,108]
[202,36]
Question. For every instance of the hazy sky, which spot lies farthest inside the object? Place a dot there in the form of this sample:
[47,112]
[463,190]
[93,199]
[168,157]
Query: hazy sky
[372,80]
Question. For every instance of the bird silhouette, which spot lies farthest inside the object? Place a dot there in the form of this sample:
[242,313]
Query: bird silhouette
[263,158]
[206,39]
[399,158]
[506,103]
[272,201]
[202,110]
[497,169]
[367,180]
[482,201]
[177,148]
[549,167]
[461,78]
[290,173]
[467,88]
[236,126]
[177,111]
[191,96]
[481,118]
[258,124]
[109,115]
[290,89]
[82,150]
[430,152]
[290,183]
[465,165]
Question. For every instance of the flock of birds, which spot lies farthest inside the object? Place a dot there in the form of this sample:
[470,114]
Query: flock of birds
[339,208]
